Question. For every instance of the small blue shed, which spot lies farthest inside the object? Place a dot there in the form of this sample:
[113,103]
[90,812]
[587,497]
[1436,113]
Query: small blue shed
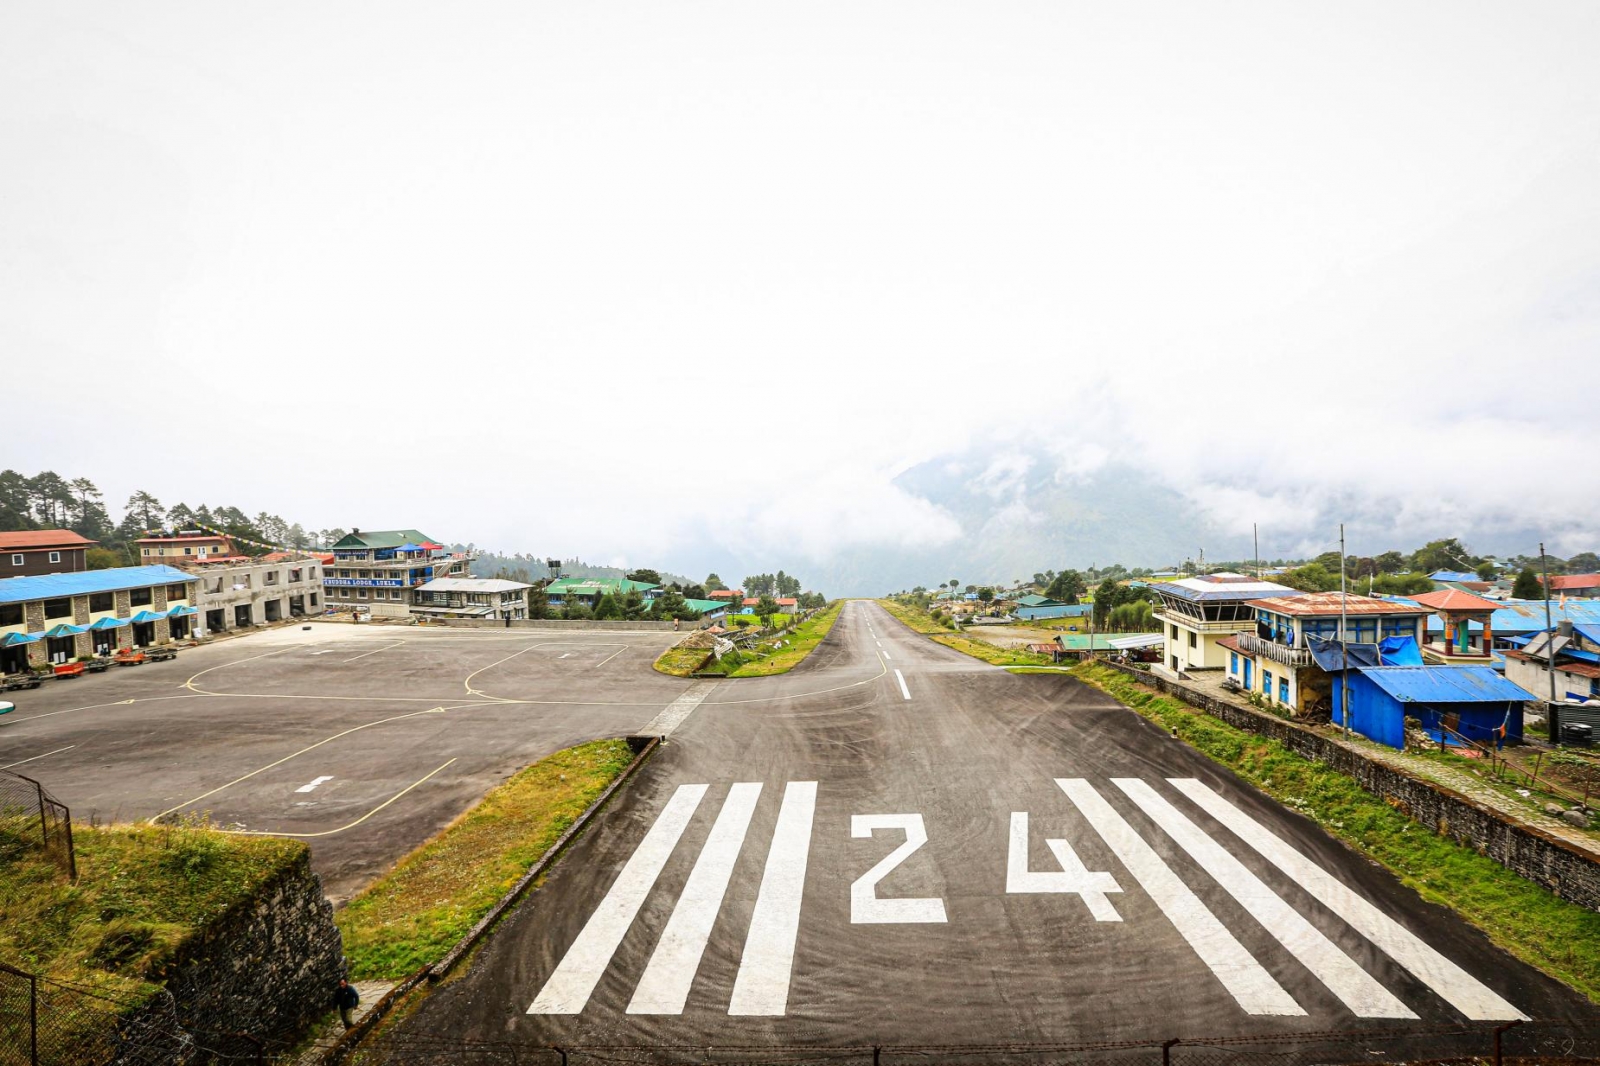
[1475,702]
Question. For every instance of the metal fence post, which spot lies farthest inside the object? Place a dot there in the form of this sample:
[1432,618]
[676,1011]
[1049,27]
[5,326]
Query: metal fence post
[1166,1051]
[44,820]
[1499,1029]
[876,1053]
[33,1020]
[72,854]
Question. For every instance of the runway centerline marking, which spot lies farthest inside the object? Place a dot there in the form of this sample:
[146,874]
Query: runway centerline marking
[568,988]
[312,785]
[1453,984]
[1245,979]
[898,676]
[47,754]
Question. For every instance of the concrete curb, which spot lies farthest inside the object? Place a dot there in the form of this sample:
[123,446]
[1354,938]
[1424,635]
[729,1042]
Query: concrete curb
[434,971]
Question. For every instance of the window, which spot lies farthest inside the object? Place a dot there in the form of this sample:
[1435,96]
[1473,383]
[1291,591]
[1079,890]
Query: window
[396,594]
[361,593]
[270,578]
[100,601]
[147,551]
[139,597]
[1174,632]
[17,560]
[188,551]
[294,574]
[1233,662]
[58,608]
[177,592]
[1266,682]
[55,557]
[313,599]
[1283,690]
[10,614]
[1194,639]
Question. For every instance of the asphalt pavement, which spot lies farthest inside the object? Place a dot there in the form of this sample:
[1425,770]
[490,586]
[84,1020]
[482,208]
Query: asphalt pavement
[897,844]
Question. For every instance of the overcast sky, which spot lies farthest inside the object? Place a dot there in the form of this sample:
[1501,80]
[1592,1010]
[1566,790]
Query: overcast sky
[637,281]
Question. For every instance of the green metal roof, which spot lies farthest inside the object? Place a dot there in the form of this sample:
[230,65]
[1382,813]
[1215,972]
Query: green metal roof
[596,586]
[1039,601]
[703,606]
[384,538]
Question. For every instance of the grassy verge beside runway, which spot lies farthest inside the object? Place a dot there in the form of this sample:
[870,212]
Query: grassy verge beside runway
[682,662]
[922,622]
[415,913]
[142,894]
[765,660]
[1558,937]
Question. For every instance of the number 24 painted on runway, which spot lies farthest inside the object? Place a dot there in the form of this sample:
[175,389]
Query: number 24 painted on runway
[866,908]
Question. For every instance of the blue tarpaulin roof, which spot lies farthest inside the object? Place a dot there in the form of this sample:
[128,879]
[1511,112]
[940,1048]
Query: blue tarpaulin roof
[18,638]
[180,611]
[147,616]
[1330,655]
[1445,684]
[1400,651]
[109,623]
[1452,575]
[64,631]
[55,586]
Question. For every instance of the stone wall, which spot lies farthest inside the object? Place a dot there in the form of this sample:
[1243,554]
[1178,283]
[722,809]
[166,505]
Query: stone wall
[266,969]
[1523,849]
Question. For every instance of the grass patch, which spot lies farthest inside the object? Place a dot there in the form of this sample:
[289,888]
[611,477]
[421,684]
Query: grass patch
[915,618]
[1558,937]
[143,892]
[416,912]
[682,662]
[764,660]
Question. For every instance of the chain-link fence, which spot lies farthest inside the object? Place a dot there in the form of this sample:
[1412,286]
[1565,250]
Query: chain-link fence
[32,819]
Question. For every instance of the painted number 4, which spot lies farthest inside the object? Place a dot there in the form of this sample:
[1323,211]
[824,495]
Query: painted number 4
[1073,877]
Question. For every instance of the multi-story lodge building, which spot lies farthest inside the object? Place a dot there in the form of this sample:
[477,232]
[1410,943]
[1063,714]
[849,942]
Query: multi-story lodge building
[59,617]
[472,597]
[380,571]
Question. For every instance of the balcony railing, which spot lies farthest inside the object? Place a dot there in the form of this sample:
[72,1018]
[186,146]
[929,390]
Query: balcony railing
[1271,649]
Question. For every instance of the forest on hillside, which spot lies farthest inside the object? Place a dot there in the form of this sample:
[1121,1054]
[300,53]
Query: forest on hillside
[47,500]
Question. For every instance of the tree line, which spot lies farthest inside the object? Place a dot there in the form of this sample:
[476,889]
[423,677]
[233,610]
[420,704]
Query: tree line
[47,500]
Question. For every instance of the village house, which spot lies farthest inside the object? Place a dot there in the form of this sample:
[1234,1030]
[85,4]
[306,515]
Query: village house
[31,552]
[1575,648]
[472,597]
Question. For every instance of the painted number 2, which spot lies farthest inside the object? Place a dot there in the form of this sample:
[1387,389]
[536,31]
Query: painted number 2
[865,906]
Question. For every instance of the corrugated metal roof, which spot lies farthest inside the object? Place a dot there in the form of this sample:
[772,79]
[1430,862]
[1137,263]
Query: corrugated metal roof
[1454,600]
[26,539]
[1038,601]
[1332,603]
[1222,587]
[472,584]
[1526,616]
[1138,640]
[1453,575]
[54,586]
[383,538]
[1445,684]
[1574,581]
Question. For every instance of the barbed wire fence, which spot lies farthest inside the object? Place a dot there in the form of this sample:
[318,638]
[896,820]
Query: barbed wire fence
[32,819]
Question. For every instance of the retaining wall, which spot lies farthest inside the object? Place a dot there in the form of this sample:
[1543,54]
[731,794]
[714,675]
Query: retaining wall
[1523,849]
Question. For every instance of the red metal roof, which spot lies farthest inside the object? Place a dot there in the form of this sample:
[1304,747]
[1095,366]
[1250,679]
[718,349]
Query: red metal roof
[1231,643]
[1563,666]
[724,594]
[1575,581]
[26,539]
[1328,603]
[1455,600]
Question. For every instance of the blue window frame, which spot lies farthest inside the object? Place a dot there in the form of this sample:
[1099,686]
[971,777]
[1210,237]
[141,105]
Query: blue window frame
[1233,662]
[1400,627]
[1363,630]
[1266,682]
[1283,690]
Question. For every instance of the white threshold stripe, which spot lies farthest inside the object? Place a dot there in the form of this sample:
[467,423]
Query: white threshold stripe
[1246,981]
[1453,984]
[569,987]
[678,711]
[898,676]
[762,984]
[664,988]
[312,786]
[1356,988]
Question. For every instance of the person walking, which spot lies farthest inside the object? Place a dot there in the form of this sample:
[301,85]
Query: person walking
[345,997]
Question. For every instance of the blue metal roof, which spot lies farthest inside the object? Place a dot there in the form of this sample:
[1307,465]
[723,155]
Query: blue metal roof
[55,586]
[1452,575]
[1445,684]
[1524,616]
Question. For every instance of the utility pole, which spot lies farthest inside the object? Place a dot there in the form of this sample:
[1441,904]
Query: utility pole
[1549,625]
[1344,642]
